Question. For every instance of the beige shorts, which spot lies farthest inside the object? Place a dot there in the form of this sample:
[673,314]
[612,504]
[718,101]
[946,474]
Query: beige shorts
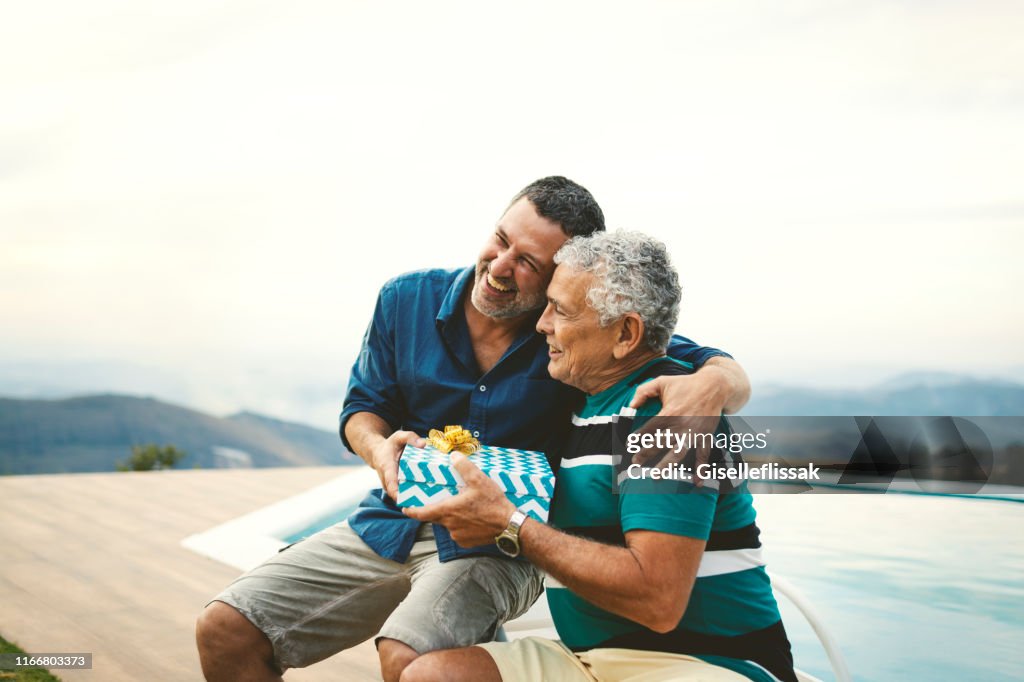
[538,658]
[331,591]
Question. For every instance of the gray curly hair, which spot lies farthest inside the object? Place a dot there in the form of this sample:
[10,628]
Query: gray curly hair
[633,273]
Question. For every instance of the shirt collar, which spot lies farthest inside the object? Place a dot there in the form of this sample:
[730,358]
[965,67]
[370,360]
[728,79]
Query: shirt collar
[626,382]
[453,299]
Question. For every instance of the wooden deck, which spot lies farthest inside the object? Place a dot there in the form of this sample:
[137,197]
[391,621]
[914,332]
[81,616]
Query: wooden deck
[92,563]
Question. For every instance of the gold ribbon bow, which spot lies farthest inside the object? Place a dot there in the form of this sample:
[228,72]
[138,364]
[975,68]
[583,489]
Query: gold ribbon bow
[454,438]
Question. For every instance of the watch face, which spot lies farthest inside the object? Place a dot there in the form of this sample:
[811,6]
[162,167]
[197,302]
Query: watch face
[508,546]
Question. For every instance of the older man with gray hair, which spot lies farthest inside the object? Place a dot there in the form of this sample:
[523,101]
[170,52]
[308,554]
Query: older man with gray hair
[657,580]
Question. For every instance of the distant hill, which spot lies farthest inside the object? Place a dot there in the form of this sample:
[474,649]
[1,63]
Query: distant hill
[91,433]
[909,395]
[993,430]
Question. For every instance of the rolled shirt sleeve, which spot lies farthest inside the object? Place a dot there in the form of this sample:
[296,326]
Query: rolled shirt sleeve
[373,383]
[685,350]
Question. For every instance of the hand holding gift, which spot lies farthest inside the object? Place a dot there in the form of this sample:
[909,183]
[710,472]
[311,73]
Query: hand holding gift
[477,514]
[386,455]
[427,475]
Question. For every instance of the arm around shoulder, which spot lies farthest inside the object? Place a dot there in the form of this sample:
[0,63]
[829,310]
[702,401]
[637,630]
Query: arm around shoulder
[720,385]
[736,384]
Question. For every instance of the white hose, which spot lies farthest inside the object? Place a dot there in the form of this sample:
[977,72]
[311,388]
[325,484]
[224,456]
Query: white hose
[828,642]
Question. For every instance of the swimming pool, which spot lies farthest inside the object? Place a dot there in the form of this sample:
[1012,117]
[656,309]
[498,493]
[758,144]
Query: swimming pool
[912,586]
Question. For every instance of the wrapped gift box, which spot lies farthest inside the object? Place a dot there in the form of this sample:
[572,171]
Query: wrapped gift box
[425,476]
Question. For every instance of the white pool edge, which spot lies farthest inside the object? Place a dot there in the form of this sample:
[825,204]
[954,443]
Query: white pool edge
[247,541]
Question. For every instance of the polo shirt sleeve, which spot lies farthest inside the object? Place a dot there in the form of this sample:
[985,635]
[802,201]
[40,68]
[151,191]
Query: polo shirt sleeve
[373,382]
[674,507]
[685,350]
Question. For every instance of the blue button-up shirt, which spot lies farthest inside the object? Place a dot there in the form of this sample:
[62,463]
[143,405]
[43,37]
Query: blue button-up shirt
[417,371]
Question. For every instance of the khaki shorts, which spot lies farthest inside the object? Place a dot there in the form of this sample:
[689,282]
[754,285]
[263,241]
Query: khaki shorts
[538,658]
[331,591]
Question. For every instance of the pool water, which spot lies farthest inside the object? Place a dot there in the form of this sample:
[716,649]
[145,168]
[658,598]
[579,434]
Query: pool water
[912,587]
[327,521]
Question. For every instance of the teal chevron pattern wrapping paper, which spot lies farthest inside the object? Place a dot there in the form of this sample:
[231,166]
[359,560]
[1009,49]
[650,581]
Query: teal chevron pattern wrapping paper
[425,476]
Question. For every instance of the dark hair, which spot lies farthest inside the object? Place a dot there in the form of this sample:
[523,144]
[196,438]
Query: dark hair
[563,201]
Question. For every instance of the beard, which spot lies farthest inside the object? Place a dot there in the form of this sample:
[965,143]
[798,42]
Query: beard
[506,306]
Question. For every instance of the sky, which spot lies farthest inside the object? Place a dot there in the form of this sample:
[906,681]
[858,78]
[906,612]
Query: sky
[199,201]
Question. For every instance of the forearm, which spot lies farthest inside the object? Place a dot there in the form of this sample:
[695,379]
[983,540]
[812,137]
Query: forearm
[365,431]
[731,380]
[612,578]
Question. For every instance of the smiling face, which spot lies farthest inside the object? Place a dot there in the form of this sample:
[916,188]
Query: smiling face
[515,265]
[581,352]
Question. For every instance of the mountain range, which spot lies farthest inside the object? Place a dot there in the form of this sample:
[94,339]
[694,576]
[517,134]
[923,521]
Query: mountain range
[907,395]
[93,433]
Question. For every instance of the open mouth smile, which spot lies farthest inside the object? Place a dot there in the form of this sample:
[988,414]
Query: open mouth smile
[498,286]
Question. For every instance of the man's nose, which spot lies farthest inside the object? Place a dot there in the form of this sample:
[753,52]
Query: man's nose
[544,323]
[501,266]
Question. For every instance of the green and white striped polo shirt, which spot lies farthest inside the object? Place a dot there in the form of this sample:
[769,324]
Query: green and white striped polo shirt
[732,618]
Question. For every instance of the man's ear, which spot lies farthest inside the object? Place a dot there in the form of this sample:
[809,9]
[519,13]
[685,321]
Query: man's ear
[631,335]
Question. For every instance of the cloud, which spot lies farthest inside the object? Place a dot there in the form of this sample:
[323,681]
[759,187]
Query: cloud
[237,181]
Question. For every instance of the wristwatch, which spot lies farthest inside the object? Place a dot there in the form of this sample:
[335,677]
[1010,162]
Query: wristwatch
[508,540]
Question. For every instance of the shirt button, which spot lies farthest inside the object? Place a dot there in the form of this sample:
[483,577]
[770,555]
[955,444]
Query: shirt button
[476,434]
[483,388]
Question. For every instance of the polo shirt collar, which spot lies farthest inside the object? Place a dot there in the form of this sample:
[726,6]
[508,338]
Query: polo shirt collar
[453,299]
